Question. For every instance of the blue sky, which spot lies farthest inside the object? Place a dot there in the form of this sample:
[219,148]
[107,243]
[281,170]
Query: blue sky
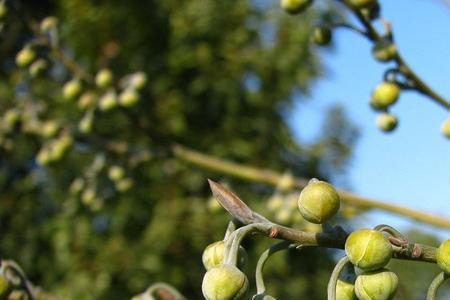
[412,165]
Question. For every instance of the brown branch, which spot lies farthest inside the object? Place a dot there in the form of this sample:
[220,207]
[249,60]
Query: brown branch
[273,178]
[334,238]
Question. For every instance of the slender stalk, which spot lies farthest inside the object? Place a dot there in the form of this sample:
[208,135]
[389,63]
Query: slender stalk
[435,284]
[272,178]
[173,293]
[335,276]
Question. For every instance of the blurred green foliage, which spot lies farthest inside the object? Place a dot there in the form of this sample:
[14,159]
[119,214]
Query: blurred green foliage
[222,77]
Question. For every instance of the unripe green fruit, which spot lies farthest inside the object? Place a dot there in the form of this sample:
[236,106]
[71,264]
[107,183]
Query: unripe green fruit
[38,67]
[71,89]
[138,80]
[322,35]
[48,24]
[368,249]
[387,122]
[86,123]
[104,78]
[385,95]
[5,286]
[49,129]
[443,256]
[124,184]
[345,290]
[107,101]
[445,128]
[376,285]
[115,173]
[295,6]
[25,57]
[87,100]
[128,98]
[225,282]
[384,50]
[3,10]
[214,255]
[318,201]
[361,3]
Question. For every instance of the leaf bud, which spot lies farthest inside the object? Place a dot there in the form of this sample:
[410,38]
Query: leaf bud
[318,201]
[376,285]
[443,256]
[322,35]
[295,6]
[387,122]
[368,249]
[214,255]
[224,282]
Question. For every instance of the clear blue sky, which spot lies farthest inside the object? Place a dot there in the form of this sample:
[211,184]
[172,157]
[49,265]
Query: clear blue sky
[412,165]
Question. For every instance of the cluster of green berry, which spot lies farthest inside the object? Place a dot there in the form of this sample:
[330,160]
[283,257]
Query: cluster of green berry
[384,50]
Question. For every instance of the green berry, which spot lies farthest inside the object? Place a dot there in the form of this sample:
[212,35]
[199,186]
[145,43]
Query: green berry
[376,285]
[295,6]
[25,57]
[3,10]
[322,35]
[87,100]
[362,3]
[387,122]
[48,24]
[443,256]
[318,202]
[124,184]
[49,129]
[5,286]
[104,78]
[38,67]
[86,123]
[368,249]
[71,89]
[138,80]
[224,282]
[445,128]
[345,290]
[115,173]
[384,50]
[385,95]
[213,255]
[128,97]
[108,101]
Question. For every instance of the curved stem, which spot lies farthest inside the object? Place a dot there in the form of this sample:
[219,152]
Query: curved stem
[17,270]
[335,276]
[260,287]
[391,230]
[435,284]
[174,293]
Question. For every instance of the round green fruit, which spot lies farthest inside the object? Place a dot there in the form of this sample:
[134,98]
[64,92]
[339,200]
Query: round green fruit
[445,128]
[385,95]
[138,80]
[318,202]
[104,78]
[322,35]
[38,67]
[214,255]
[368,249]
[376,285]
[25,57]
[48,24]
[71,89]
[345,290]
[384,50]
[224,282]
[295,6]
[128,98]
[362,3]
[443,256]
[387,122]
[108,101]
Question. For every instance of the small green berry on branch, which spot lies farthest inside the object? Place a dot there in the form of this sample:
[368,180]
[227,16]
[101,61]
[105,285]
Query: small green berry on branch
[48,24]
[225,282]
[387,122]
[322,35]
[385,95]
[345,290]
[443,256]
[368,249]
[445,128]
[25,57]
[376,285]
[71,89]
[104,78]
[128,98]
[318,202]
[384,50]
[295,6]
[214,255]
